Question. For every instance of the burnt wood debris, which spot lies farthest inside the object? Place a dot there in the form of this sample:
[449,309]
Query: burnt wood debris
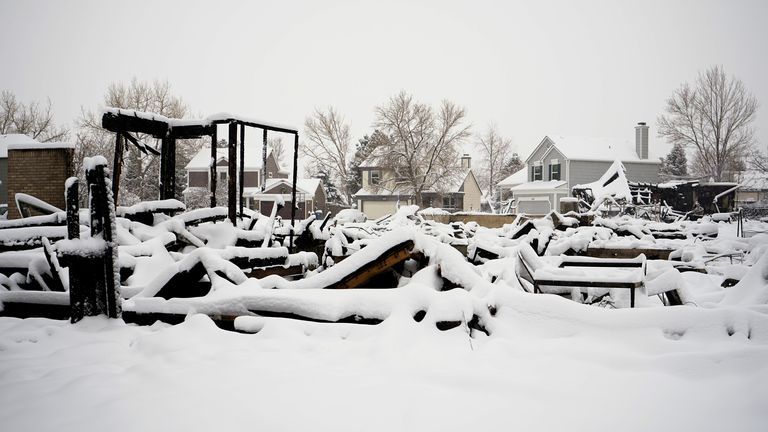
[65,264]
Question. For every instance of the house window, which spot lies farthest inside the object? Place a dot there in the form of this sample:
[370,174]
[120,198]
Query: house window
[554,172]
[375,177]
[537,172]
[449,203]
[223,176]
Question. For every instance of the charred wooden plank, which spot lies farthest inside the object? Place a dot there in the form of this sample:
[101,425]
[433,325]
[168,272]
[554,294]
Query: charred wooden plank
[602,252]
[278,270]
[391,257]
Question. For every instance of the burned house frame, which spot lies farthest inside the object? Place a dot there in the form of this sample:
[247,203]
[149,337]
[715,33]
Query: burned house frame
[124,123]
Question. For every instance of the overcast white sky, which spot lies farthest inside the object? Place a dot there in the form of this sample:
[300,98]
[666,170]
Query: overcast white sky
[592,68]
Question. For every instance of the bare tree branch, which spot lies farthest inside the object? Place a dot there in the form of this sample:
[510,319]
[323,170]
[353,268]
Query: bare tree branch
[714,119]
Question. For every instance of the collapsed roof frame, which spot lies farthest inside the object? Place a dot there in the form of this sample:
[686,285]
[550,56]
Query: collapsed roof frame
[125,122]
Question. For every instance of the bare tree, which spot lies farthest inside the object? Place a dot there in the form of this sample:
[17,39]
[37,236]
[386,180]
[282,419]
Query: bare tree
[30,119]
[714,118]
[328,145]
[140,171]
[495,152]
[422,150]
[279,149]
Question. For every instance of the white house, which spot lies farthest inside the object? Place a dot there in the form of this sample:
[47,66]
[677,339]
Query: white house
[382,193]
[560,162]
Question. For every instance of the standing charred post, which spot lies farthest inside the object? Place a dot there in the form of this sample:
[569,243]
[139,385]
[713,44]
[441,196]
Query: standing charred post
[293,191]
[232,174]
[94,277]
[264,163]
[212,167]
[117,165]
[242,168]
[168,168]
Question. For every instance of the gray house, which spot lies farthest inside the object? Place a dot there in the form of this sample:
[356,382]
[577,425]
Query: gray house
[559,163]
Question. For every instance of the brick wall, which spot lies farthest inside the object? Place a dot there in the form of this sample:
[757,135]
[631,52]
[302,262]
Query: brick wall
[40,173]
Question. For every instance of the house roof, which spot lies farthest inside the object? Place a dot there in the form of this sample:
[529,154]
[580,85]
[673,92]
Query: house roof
[515,179]
[753,180]
[202,160]
[598,149]
[24,142]
[374,160]
[452,184]
[539,185]
[303,185]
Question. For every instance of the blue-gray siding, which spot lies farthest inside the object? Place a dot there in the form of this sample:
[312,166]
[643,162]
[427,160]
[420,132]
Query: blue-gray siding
[590,171]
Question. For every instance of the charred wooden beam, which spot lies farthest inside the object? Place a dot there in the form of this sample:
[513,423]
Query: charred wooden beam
[264,161]
[212,168]
[115,122]
[393,256]
[232,175]
[241,173]
[117,165]
[293,191]
[168,168]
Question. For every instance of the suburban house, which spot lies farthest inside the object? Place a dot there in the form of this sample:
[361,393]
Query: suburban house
[381,193]
[559,163]
[310,194]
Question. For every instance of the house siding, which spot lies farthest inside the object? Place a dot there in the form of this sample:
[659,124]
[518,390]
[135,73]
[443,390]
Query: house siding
[589,171]
[250,179]
[472,194]
[540,151]
[554,154]
[198,179]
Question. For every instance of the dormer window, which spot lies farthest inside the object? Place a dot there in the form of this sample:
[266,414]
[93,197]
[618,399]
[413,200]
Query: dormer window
[375,177]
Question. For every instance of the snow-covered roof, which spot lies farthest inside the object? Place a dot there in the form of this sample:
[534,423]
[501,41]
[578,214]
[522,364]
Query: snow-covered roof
[401,190]
[202,160]
[515,179]
[753,180]
[303,185]
[539,185]
[374,160]
[600,149]
[24,142]
[455,182]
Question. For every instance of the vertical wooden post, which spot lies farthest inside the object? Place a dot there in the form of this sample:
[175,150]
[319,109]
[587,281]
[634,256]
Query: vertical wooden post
[293,191]
[168,168]
[71,196]
[171,184]
[232,174]
[117,165]
[213,173]
[241,177]
[264,163]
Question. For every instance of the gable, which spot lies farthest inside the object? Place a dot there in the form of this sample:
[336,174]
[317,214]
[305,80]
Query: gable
[538,153]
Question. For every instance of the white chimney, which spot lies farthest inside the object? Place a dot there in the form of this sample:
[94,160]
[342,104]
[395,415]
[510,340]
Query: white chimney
[641,140]
[466,161]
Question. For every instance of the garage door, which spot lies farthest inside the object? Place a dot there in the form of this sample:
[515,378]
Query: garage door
[533,206]
[377,209]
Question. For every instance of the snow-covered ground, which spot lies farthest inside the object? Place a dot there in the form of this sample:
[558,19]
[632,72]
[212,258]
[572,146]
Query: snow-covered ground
[548,363]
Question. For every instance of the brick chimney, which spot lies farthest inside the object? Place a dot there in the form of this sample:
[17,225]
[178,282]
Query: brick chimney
[641,140]
[466,161]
